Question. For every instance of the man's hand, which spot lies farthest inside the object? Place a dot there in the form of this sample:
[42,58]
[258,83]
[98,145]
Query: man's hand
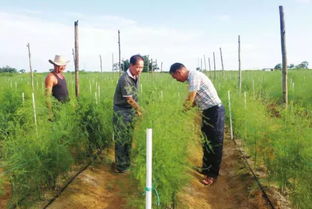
[190,101]
[187,106]
[138,109]
[139,113]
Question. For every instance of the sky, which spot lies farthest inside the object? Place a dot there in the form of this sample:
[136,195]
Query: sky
[186,31]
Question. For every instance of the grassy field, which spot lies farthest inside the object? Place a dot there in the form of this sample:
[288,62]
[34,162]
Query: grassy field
[34,157]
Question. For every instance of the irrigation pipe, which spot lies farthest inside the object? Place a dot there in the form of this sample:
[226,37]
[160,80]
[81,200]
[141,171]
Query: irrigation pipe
[72,179]
[266,197]
[245,158]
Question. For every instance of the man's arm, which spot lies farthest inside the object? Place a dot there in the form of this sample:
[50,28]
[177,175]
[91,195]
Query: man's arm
[135,105]
[190,100]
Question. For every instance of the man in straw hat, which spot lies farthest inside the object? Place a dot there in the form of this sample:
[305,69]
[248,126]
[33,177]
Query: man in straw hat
[55,82]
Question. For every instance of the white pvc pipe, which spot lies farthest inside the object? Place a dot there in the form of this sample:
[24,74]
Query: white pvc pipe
[230,113]
[148,189]
[23,97]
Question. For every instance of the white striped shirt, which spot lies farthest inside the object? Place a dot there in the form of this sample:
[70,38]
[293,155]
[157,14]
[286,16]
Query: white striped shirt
[206,95]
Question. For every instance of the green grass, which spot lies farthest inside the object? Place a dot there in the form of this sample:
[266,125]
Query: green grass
[278,139]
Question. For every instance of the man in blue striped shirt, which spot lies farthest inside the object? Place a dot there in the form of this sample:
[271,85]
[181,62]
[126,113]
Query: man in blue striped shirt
[203,94]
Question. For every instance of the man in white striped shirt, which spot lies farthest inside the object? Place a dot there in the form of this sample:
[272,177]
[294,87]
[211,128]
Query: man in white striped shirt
[203,94]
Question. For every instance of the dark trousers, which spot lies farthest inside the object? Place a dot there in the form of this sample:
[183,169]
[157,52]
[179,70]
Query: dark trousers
[123,129]
[213,134]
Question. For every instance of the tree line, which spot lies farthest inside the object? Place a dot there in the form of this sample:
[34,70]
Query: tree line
[150,65]
[302,65]
[8,69]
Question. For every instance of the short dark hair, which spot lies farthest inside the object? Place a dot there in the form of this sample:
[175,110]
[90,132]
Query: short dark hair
[176,66]
[135,58]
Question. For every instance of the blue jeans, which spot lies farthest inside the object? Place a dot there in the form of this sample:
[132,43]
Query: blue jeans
[213,134]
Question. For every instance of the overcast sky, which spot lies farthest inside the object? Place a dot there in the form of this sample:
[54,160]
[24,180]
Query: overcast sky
[169,31]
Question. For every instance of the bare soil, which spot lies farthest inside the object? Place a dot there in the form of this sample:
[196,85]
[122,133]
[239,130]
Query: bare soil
[5,195]
[234,188]
[98,187]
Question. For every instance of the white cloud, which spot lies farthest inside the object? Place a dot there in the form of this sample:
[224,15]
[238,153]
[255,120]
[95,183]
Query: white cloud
[224,17]
[304,1]
[48,38]
[98,35]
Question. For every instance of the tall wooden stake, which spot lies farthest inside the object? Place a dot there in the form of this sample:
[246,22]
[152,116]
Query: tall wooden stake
[76,60]
[239,66]
[230,114]
[30,68]
[148,63]
[73,53]
[119,52]
[205,63]
[284,56]
[161,66]
[214,66]
[101,67]
[209,63]
[34,111]
[201,64]
[221,59]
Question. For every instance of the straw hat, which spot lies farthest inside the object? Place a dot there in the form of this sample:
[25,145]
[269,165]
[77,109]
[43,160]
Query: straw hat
[59,60]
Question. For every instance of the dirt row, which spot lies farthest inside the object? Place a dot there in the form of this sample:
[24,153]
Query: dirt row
[98,187]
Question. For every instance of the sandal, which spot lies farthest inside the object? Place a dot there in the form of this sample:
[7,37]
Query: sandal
[208,180]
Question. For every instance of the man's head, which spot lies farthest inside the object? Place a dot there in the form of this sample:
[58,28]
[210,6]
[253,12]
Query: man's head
[59,63]
[59,68]
[179,72]
[136,64]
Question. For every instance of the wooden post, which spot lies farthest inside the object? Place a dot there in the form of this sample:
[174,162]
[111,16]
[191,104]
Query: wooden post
[201,64]
[34,111]
[123,66]
[76,60]
[239,66]
[101,67]
[230,114]
[161,66]
[198,61]
[209,63]
[119,52]
[147,64]
[152,65]
[30,68]
[214,66]
[221,59]
[205,63]
[284,56]
[73,53]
